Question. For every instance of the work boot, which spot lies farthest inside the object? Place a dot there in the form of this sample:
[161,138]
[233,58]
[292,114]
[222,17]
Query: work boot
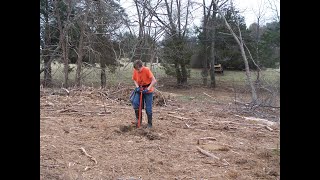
[137,117]
[149,120]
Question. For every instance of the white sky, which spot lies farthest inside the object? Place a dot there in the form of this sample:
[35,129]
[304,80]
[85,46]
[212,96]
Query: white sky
[247,8]
[250,8]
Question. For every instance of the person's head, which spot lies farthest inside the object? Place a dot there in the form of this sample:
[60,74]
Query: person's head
[137,64]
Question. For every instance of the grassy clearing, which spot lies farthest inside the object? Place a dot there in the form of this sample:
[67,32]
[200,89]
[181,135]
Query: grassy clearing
[237,78]
[122,75]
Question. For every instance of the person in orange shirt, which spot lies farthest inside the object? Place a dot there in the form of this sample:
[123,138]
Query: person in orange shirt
[144,81]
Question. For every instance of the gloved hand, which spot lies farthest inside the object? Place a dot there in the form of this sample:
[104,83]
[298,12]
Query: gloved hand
[137,89]
[145,91]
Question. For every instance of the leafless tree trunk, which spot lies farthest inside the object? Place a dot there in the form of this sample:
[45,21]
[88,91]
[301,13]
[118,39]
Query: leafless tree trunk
[209,31]
[46,57]
[64,39]
[259,15]
[212,54]
[240,42]
[100,17]
[83,24]
[206,16]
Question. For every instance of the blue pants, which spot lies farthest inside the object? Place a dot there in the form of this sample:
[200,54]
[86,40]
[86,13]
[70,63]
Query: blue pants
[146,100]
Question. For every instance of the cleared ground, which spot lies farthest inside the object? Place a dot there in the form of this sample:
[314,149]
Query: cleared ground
[198,134]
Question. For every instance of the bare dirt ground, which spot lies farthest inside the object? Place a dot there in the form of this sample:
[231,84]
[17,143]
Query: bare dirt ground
[197,134]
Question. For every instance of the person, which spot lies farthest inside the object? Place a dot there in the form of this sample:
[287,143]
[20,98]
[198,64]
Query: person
[144,81]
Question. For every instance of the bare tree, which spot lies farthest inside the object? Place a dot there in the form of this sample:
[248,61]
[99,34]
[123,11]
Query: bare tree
[63,36]
[273,6]
[260,14]
[206,21]
[240,42]
[149,32]
[83,25]
[46,49]
[171,19]
[142,15]
[209,32]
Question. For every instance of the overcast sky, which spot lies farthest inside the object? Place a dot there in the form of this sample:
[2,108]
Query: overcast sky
[247,8]
[251,7]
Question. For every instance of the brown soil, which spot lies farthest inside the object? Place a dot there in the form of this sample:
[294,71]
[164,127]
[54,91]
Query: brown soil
[87,134]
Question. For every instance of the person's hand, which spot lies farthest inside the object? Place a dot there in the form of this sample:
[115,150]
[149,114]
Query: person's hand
[145,91]
[137,89]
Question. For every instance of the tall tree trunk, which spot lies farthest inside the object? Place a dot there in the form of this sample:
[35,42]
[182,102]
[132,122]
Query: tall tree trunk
[248,74]
[47,40]
[240,43]
[102,60]
[212,47]
[63,43]
[178,73]
[103,76]
[257,49]
[47,70]
[184,74]
[212,62]
[204,72]
[207,42]
[79,60]
[141,18]
[80,47]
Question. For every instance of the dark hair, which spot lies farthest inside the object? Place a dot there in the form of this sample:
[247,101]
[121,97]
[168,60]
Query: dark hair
[137,63]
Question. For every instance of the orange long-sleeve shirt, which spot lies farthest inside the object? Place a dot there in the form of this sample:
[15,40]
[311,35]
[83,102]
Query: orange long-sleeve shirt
[144,77]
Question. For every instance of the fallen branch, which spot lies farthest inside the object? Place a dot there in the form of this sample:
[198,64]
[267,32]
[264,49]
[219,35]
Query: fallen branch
[104,113]
[92,158]
[172,112]
[265,121]
[179,117]
[241,124]
[67,110]
[175,122]
[207,153]
[79,101]
[211,155]
[226,162]
[47,118]
[208,138]
[66,90]
[269,128]
[102,93]
[209,95]
[239,102]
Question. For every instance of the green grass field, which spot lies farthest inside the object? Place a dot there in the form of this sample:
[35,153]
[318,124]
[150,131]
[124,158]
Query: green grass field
[122,75]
